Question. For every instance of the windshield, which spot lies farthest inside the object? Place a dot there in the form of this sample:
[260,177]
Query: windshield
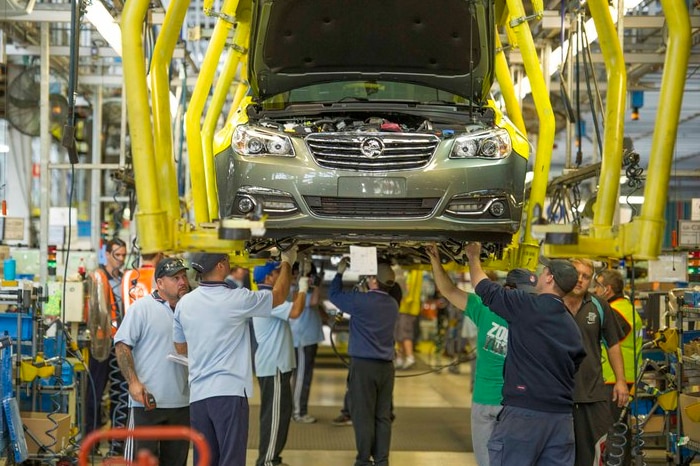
[364,91]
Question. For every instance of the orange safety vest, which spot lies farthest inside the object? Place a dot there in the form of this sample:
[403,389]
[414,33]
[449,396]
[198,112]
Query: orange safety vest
[101,279]
[137,283]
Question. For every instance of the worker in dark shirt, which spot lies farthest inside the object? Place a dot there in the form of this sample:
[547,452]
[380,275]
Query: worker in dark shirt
[373,317]
[545,349]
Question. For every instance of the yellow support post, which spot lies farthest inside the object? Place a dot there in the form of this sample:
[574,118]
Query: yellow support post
[241,91]
[151,217]
[203,186]
[221,91]
[613,132]
[641,239]
[652,221]
[529,248]
[160,101]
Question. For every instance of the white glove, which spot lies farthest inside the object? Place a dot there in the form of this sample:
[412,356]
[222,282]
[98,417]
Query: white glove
[303,284]
[343,265]
[290,255]
[305,266]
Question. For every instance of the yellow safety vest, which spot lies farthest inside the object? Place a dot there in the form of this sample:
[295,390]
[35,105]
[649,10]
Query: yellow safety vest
[630,346]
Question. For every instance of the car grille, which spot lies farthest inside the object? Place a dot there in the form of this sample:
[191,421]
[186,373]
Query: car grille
[364,207]
[352,151]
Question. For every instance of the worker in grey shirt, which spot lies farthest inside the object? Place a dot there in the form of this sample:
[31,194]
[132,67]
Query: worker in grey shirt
[274,364]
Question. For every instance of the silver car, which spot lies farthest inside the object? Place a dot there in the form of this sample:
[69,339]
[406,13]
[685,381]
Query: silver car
[369,123]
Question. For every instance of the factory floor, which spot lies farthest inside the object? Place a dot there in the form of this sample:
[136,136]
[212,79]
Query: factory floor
[440,398]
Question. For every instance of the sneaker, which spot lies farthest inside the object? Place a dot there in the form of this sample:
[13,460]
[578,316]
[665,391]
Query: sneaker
[305,419]
[342,420]
[398,363]
[410,362]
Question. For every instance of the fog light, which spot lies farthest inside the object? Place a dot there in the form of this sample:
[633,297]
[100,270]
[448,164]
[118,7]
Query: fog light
[245,205]
[497,208]
[465,206]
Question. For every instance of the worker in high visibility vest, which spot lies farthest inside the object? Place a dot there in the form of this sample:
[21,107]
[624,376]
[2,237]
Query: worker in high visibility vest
[138,283]
[107,279]
[610,285]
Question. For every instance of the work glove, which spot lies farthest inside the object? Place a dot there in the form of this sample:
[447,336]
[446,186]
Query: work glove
[343,265]
[289,256]
[303,284]
[304,265]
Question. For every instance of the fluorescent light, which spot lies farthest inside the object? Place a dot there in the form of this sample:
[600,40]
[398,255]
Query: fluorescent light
[631,199]
[105,24]
[4,148]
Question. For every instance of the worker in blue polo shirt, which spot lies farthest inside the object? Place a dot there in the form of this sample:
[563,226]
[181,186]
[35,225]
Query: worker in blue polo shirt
[274,364]
[373,316]
[211,329]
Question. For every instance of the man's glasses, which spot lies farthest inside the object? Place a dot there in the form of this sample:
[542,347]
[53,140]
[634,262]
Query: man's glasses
[597,283]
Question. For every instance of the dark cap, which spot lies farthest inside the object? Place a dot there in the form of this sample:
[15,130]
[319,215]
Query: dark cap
[204,262]
[169,267]
[565,274]
[522,279]
[385,274]
[262,271]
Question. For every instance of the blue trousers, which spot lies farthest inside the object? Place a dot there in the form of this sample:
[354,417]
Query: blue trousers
[223,420]
[524,437]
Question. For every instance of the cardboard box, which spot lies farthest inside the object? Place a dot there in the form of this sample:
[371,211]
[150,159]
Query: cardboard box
[691,429]
[653,424]
[39,424]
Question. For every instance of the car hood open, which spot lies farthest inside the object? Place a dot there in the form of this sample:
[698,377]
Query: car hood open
[446,45]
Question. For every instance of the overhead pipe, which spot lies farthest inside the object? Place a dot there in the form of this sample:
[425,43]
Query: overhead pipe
[160,102]
[203,184]
[221,91]
[652,220]
[151,217]
[505,81]
[545,138]
[613,133]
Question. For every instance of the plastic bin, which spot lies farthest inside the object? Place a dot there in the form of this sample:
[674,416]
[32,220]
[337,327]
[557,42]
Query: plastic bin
[8,325]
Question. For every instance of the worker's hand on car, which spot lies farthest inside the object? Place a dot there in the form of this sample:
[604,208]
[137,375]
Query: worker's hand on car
[290,255]
[473,250]
[433,253]
[303,284]
[304,265]
[343,265]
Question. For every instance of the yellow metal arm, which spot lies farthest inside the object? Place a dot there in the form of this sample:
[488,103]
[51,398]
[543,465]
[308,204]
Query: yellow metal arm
[206,204]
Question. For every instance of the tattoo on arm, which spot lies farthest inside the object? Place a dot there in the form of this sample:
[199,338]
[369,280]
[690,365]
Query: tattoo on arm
[126,361]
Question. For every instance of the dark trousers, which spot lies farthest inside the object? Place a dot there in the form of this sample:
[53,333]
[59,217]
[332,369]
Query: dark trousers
[223,421]
[171,452]
[591,422]
[306,360]
[525,437]
[371,386]
[275,415]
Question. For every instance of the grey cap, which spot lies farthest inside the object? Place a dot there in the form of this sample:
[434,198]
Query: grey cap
[522,279]
[565,274]
[204,262]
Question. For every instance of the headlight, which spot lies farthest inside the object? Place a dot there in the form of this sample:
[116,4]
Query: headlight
[493,144]
[254,142]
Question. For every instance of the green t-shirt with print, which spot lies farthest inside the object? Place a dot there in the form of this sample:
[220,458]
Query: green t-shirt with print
[491,349]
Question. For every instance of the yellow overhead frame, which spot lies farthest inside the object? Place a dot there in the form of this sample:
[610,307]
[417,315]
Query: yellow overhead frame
[641,238]
[166,233]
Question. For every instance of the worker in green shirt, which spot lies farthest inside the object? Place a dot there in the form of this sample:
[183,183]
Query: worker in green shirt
[491,348]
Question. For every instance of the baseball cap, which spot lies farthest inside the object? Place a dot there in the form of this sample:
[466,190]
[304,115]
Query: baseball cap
[385,274]
[170,266]
[204,262]
[262,271]
[522,279]
[565,274]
